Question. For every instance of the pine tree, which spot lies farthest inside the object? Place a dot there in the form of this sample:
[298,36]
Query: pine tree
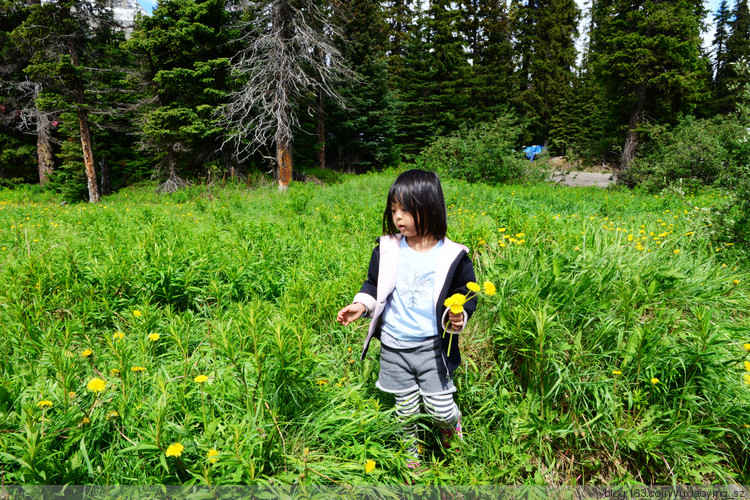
[547,30]
[647,54]
[722,19]
[184,47]
[737,48]
[363,133]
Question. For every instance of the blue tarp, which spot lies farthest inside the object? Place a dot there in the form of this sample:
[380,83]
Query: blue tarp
[532,151]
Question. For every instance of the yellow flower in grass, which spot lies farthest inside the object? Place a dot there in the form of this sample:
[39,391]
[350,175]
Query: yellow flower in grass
[96,385]
[369,466]
[153,337]
[113,414]
[747,365]
[137,313]
[455,303]
[654,380]
[736,282]
[118,336]
[45,403]
[616,372]
[114,372]
[747,378]
[321,382]
[746,346]
[87,353]
[473,287]
[213,455]
[175,450]
[137,369]
[489,288]
[200,379]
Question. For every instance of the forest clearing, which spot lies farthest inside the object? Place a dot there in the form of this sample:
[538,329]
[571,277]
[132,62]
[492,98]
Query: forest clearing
[191,338]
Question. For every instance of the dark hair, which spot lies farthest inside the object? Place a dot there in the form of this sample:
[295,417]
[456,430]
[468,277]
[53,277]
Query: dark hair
[419,193]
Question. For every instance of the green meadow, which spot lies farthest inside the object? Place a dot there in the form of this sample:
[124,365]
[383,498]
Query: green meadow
[191,338]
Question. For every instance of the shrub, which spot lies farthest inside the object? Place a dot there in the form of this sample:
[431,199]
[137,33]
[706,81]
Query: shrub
[487,152]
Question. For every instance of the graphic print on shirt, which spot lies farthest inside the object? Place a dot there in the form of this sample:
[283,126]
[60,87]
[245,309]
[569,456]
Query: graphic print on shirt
[415,288]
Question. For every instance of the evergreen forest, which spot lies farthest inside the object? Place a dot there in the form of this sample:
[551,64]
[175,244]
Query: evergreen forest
[215,89]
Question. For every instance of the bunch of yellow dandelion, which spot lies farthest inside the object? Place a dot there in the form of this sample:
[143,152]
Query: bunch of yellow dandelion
[96,385]
[153,337]
[87,352]
[654,380]
[175,450]
[200,379]
[369,466]
[213,455]
[456,303]
[616,372]
[45,403]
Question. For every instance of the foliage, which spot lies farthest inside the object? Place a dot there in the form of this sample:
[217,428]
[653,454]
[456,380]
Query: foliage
[486,152]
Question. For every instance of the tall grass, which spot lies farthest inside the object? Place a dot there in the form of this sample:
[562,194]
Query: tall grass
[609,354]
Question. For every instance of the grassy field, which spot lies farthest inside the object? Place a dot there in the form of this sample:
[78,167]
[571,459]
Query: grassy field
[191,338]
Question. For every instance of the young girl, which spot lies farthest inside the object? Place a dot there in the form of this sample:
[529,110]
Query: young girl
[413,269]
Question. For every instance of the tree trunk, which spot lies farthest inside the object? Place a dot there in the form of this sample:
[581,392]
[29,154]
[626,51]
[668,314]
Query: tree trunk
[636,117]
[284,160]
[45,162]
[320,129]
[106,187]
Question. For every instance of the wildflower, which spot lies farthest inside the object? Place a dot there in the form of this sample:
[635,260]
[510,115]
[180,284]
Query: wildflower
[213,455]
[654,380]
[118,336]
[114,372]
[175,450]
[736,282]
[455,302]
[87,352]
[747,378]
[369,466]
[71,394]
[137,313]
[153,337]
[113,414]
[321,382]
[138,369]
[96,385]
[473,287]
[489,288]
[45,403]
[200,379]
[616,372]
[746,346]
[747,365]
[676,251]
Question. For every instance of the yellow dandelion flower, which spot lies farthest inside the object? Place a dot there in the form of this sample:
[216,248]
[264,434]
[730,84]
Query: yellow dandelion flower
[747,365]
[96,385]
[71,394]
[321,382]
[746,346]
[118,336]
[137,369]
[473,287]
[676,251]
[747,426]
[175,450]
[153,337]
[114,372]
[654,380]
[747,378]
[369,466]
[45,403]
[87,352]
[616,372]
[489,288]
[113,414]
[455,302]
[200,379]
[520,235]
[736,282]
[212,455]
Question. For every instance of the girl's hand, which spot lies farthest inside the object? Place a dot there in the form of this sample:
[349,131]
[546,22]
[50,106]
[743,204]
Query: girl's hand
[350,313]
[457,320]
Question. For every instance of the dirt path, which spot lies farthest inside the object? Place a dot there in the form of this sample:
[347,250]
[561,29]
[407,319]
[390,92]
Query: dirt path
[583,179]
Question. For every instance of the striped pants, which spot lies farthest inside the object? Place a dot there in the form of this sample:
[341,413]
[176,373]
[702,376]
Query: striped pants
[440,407]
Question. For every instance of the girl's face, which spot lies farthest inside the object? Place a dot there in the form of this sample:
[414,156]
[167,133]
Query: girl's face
[403,220]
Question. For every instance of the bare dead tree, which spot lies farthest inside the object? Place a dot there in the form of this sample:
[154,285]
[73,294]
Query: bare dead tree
[282,68]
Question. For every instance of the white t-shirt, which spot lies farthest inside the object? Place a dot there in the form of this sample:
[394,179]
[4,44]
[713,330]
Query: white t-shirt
[409,314]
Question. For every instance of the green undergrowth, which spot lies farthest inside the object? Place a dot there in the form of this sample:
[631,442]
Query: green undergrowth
[614,351]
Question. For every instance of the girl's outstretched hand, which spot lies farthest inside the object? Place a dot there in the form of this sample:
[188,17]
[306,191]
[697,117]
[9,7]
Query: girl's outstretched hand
[350,313]
[457,320]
